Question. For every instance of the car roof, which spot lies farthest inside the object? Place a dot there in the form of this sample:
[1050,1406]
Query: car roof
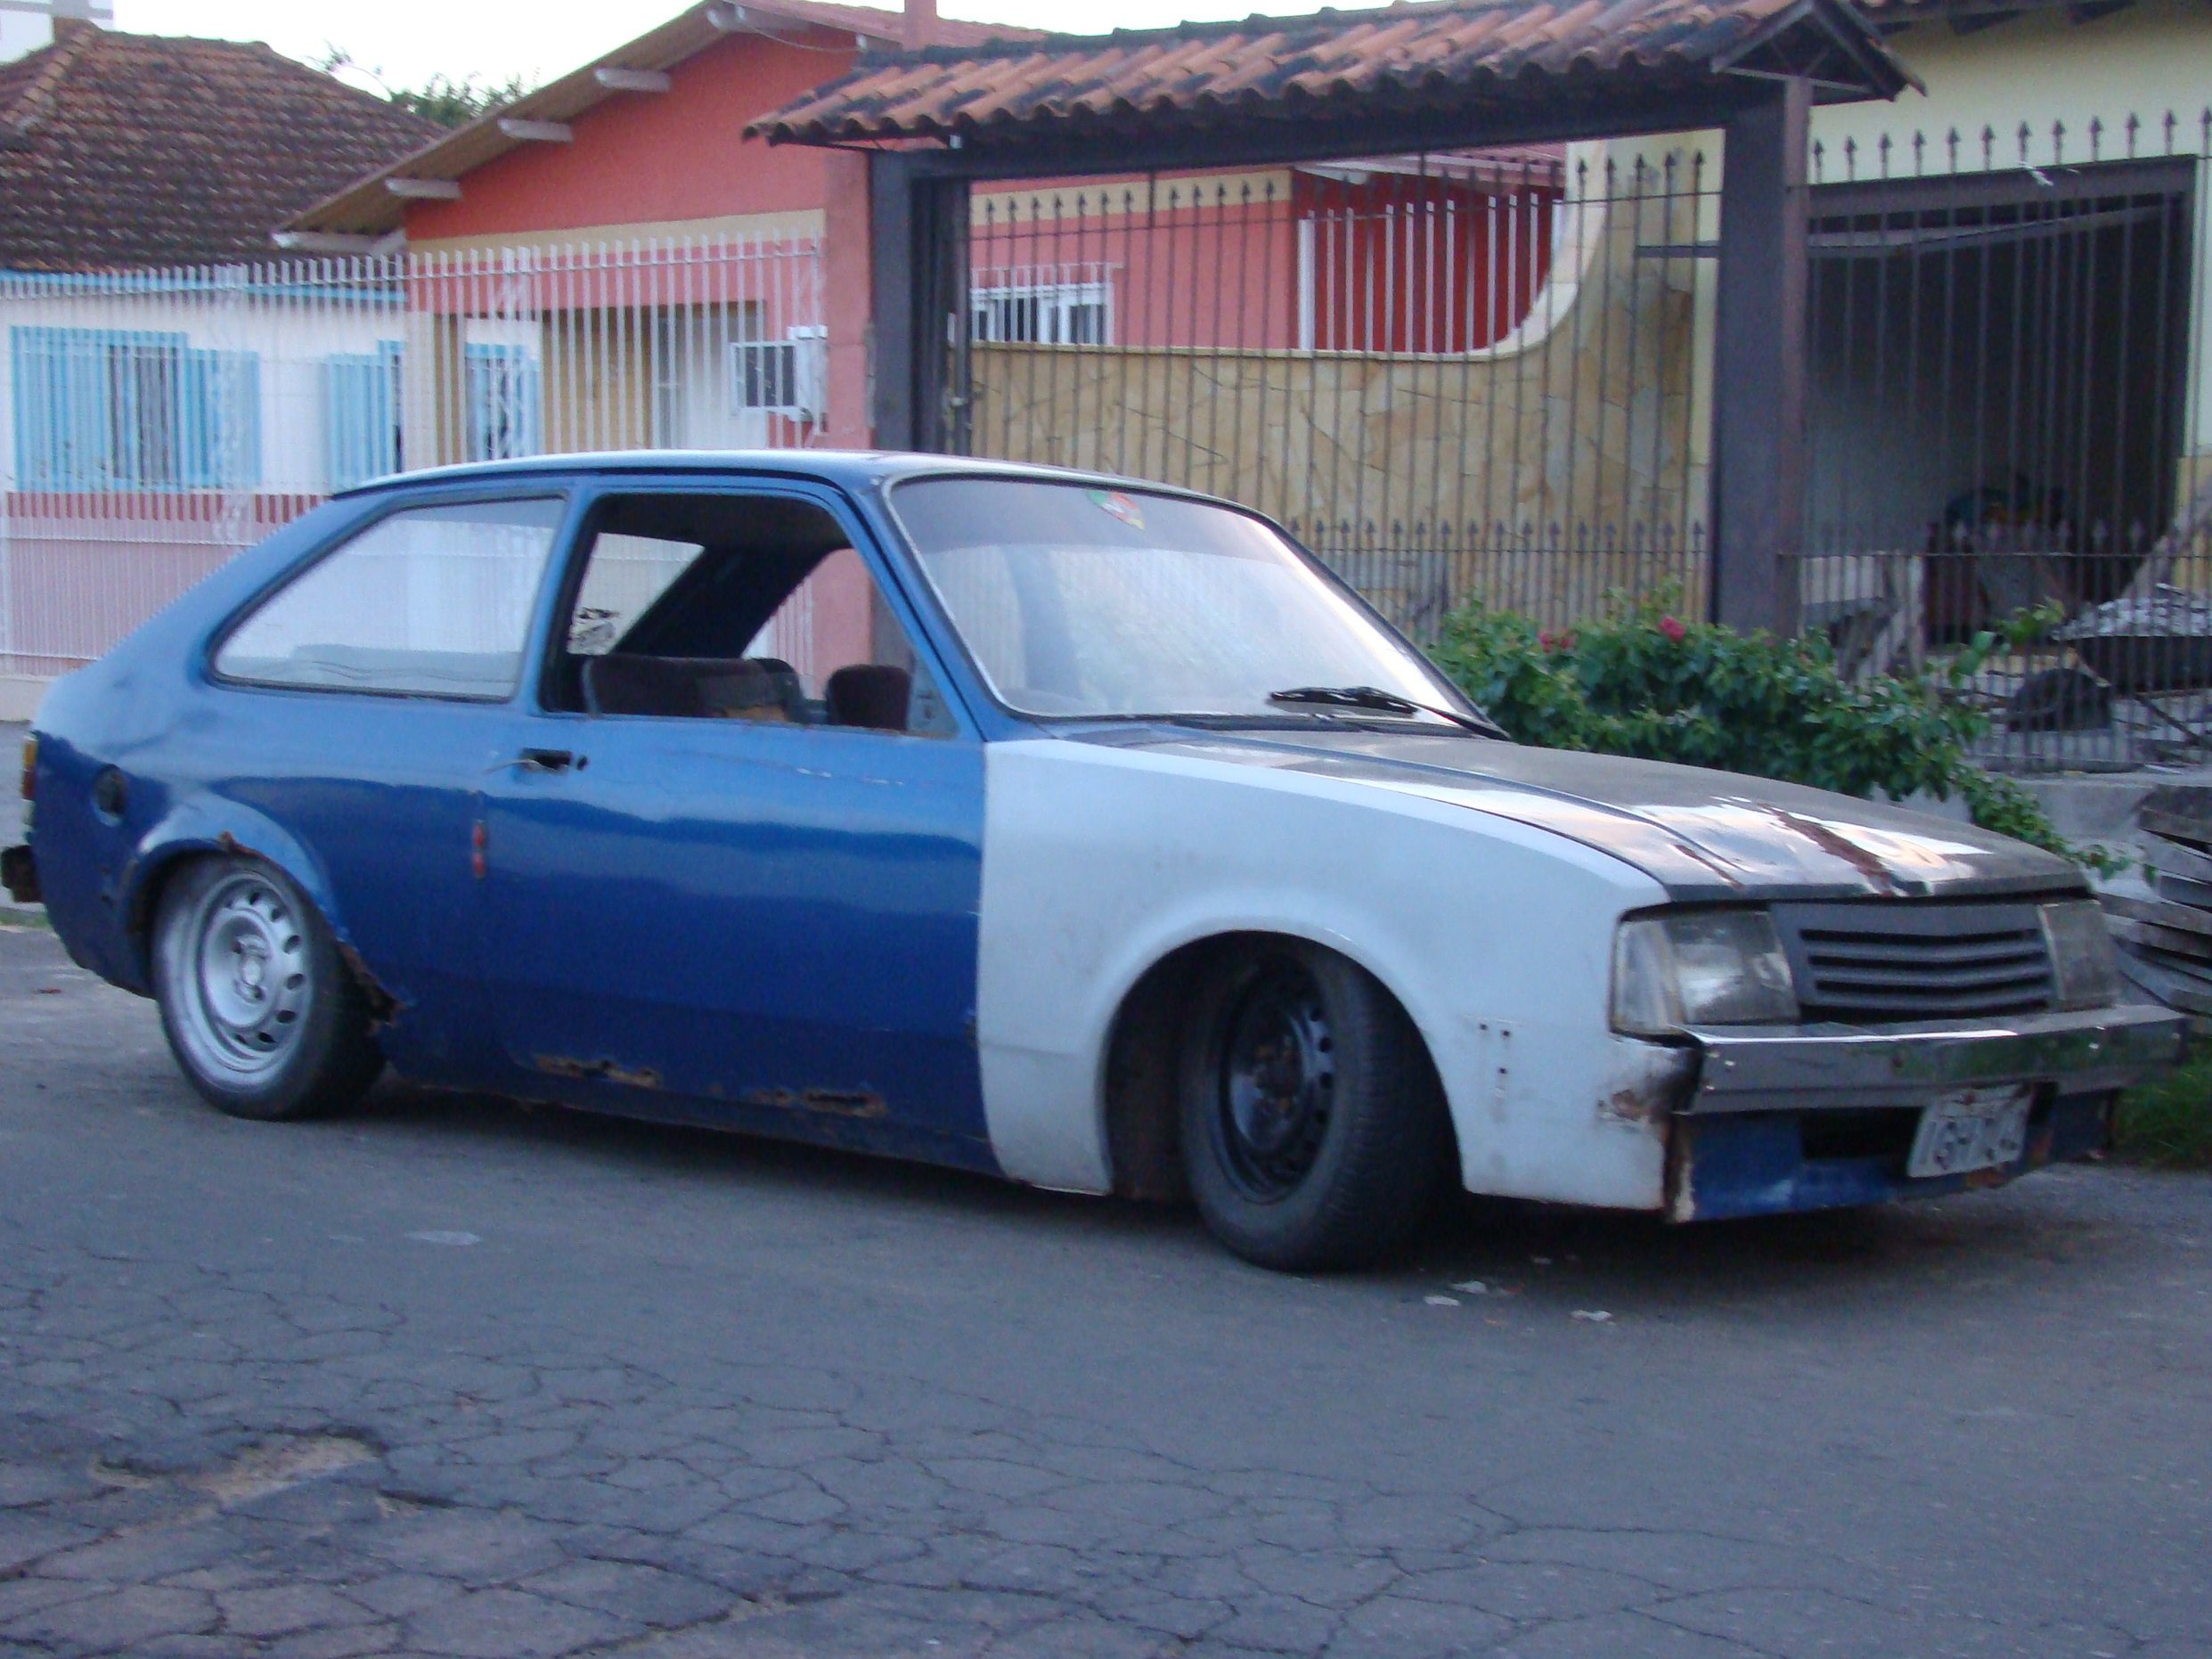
[852,469]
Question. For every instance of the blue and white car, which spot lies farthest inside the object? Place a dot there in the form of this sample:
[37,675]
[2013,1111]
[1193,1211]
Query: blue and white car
[1068,828]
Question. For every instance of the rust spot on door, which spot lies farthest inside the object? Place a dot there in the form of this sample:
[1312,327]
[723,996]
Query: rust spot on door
[863,1103]
[561,1065]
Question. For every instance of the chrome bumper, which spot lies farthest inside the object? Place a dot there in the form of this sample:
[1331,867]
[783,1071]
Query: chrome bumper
[1746,1069]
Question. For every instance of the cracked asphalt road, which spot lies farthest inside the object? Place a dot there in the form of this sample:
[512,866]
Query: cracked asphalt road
[453,1377]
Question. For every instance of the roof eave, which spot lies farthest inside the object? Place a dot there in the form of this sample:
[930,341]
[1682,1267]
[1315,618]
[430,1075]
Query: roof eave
[1882,74]
[366,207]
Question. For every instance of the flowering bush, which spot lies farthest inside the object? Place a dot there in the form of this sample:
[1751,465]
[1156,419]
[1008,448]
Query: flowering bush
[1645,682]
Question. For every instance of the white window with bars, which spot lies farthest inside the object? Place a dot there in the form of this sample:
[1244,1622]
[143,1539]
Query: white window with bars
[1054,305]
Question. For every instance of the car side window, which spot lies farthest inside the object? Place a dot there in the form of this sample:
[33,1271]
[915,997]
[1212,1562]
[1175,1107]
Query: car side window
[734,607]
[427,601]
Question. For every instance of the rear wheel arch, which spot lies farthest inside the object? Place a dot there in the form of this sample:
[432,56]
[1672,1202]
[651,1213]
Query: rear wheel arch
[174,847]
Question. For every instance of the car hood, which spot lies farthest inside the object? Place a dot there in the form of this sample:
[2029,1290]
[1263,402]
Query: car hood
[1704,836]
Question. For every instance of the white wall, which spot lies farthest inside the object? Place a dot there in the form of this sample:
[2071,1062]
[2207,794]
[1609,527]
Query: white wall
[292,340]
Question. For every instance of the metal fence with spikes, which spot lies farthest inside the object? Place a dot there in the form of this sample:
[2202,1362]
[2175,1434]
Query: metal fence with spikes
[1453,375]
[154,422]
[1489,378]
[2008,406]
[1473,375]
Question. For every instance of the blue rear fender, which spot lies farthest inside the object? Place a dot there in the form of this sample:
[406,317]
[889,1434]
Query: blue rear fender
[199,826]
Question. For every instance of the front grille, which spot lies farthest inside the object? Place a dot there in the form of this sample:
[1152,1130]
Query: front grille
[1879,962]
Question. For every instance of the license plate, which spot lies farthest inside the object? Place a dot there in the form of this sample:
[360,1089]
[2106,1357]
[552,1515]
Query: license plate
[1982,1129]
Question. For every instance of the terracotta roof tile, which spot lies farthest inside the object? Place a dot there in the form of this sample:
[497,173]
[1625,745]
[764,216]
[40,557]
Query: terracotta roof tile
[121,149]
[1407,55]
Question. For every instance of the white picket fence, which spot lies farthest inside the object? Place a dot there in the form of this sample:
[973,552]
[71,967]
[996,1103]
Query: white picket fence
[153,424]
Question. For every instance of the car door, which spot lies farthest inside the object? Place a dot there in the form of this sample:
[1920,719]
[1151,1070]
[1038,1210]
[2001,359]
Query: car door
[727,868]
[355,707]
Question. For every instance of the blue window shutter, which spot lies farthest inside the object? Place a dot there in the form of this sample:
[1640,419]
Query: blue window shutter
[526,397]
[360,395]
[218,420]
[241,451]
[35,376]
[103,410]
[246,454]
[81,411]
[199,406]
[63,419]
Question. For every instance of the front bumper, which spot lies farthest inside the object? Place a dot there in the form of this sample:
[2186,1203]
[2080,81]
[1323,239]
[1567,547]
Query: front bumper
[1750,1068]
[19,875]
[1817,1117]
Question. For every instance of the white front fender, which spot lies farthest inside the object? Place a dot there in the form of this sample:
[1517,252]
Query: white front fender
[1496,938]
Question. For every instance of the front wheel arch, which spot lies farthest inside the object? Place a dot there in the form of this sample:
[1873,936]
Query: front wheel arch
[1138,1089]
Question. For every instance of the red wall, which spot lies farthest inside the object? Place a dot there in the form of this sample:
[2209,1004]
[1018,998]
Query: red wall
[1401,264]
[1409,263]
[1221,274]
[643,157]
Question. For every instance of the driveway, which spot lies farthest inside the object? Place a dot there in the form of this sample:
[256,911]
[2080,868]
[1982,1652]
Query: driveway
[456,1376]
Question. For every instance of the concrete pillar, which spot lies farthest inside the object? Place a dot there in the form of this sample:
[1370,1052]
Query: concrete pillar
[1759,363]
[847,311]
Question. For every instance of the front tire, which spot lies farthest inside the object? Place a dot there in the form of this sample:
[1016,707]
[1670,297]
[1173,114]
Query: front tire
[262,1014]
[1313,1127]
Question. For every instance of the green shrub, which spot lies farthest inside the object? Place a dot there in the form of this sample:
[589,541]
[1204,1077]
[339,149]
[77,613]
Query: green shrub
[2168,1120]
[1647,681]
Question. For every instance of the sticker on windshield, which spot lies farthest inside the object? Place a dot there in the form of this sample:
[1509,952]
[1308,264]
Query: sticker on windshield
[1123,507]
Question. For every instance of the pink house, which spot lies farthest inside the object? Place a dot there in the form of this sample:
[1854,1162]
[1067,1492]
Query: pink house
[646,146]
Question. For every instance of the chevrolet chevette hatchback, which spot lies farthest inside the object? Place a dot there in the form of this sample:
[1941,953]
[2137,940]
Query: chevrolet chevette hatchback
[1064,828]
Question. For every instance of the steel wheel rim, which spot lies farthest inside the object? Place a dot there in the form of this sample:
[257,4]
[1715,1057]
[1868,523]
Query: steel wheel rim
[245,983]
[1276,1083]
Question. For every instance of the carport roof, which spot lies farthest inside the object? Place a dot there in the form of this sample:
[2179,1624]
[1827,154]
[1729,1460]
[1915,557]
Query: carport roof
[1406,60]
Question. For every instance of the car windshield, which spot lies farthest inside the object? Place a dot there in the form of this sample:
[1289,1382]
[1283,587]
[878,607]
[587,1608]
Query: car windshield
[1094,602]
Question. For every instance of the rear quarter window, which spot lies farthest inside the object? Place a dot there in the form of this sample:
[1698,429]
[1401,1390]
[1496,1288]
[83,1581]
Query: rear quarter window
[427,601]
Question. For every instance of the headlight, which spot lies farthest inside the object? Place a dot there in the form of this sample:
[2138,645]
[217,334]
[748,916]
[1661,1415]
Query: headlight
[1701,967]
[2081,954]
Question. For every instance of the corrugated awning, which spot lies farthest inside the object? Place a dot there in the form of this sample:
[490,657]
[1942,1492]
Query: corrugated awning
[1406,59]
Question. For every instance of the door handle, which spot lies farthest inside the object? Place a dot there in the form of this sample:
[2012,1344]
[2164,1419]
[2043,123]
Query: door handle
[545,760]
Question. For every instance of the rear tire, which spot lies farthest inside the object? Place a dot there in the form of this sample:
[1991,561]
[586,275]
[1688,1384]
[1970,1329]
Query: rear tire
[263,1015]
[1313,1128]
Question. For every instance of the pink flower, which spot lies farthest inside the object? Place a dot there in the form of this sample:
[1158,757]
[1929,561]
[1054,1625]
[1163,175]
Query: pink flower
[1563,640]
[1673,629]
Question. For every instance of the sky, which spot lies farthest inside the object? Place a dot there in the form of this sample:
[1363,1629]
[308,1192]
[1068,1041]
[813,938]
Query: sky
[410,40]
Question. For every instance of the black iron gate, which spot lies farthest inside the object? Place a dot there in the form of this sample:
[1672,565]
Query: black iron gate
[2004,426]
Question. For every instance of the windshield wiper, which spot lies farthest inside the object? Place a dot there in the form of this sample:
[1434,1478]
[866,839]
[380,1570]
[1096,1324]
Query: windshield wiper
[1387,702]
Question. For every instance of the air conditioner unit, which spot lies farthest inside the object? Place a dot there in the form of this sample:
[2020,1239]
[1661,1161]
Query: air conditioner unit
[787,376]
